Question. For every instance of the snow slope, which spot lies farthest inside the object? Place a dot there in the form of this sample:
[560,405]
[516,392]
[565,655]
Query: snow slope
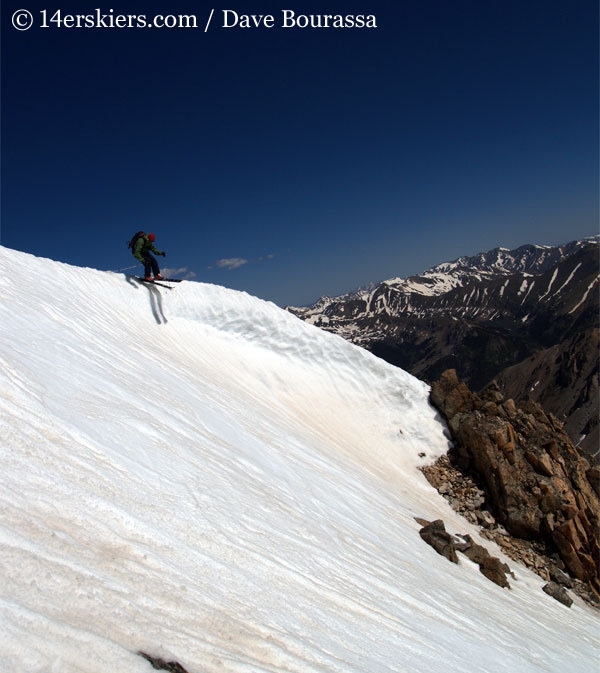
[199,475]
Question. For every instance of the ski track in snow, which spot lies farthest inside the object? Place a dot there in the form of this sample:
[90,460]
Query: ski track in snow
[200,475]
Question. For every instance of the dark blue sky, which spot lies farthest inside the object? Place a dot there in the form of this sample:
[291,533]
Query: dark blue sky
[293,163]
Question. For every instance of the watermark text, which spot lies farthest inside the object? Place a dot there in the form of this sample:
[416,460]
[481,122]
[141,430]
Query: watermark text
[227,19]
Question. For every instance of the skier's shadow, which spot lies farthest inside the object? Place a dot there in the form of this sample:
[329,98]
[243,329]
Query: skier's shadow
[155,297]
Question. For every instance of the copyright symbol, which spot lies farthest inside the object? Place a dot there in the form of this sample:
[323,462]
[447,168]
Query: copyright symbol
[22,19]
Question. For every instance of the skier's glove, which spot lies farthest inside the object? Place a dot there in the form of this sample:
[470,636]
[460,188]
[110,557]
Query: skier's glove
[164,254]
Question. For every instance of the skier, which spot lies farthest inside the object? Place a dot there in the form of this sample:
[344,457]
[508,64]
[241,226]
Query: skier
[143,248]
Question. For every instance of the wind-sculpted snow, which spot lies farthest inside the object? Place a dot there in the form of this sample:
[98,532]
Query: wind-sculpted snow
[199,475]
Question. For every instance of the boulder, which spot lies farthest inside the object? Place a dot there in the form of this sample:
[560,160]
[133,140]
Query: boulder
[436,536]
[559,593]
[490,566]
[162,665]
[495,570]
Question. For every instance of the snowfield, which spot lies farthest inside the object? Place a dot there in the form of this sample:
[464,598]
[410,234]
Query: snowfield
[199,475]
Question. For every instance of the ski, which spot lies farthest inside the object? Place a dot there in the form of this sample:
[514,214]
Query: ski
[173,280]
[152,282]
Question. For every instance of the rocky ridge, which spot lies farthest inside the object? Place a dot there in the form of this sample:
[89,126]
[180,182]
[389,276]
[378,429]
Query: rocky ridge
[514,471]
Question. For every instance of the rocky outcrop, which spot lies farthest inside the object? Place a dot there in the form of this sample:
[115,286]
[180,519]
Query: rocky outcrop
[531,478]
[445,544]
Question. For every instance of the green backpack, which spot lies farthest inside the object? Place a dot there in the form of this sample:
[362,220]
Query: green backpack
[133,241]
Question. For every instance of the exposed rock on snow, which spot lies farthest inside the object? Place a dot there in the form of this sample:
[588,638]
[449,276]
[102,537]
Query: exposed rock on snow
[436,536]
[559,593]
[445,544]
[162,665]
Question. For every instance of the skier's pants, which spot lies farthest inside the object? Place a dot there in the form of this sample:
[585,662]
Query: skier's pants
[150,266]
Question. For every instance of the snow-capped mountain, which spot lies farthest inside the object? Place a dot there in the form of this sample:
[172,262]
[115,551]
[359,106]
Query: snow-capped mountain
[478,315]
[197,475]
[434,291]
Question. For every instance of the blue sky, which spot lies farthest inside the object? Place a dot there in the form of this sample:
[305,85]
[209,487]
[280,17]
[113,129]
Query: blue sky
[293,163]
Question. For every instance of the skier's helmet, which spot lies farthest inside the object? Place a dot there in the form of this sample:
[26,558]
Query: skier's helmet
[151,237]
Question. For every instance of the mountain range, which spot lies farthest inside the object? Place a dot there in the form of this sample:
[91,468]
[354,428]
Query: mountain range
[527,318]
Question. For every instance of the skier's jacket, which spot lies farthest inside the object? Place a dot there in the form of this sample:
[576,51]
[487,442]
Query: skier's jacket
[143,246]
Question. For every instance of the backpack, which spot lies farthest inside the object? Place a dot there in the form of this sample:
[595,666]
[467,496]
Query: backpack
[133,241]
